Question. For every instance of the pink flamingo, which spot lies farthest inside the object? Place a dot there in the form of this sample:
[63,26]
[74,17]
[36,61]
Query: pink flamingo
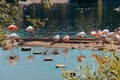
[13,58]
[13,28]
[66,38]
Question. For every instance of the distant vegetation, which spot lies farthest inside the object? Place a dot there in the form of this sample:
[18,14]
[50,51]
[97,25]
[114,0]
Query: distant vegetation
[10,13]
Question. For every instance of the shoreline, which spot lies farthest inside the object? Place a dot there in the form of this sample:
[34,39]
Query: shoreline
[73,43]
[80,46]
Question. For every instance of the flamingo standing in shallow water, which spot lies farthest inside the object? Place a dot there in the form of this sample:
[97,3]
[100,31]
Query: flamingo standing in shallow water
[99,33]
[30,29]
[13,58]
[105,32]
[56,38]
[81,34]
[66,38]
[13,28]
[93,33]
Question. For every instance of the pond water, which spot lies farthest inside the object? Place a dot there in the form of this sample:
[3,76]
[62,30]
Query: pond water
[72,18]
[62,19]
[38,69]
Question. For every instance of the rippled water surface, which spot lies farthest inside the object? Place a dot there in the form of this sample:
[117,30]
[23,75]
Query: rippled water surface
[73,18]
[62,19]
[37,69]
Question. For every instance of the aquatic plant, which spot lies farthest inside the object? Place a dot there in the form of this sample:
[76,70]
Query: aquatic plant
[81,58]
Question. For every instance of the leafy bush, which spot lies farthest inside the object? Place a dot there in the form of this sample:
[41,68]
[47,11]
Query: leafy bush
[107,68]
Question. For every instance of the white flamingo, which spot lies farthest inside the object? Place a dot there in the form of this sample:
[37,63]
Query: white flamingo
[105,32]
[56,38]
[30,29]
[81,34]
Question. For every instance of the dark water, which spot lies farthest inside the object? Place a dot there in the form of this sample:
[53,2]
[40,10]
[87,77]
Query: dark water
[73,18]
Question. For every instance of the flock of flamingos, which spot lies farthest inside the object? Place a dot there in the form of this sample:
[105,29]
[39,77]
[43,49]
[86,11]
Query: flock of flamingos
[106,34]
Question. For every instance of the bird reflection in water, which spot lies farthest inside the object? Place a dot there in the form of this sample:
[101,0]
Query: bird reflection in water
[13,59]
[81,58]
[66,51]
[30,58]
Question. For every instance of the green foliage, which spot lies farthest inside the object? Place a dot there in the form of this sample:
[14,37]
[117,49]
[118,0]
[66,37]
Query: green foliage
[1,34]
[107,68]
[47,4]
[35,22]
[9,14]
